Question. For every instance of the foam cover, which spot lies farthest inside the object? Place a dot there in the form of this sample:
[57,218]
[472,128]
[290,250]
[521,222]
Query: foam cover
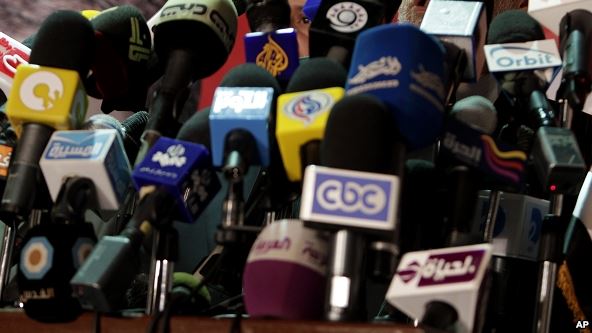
[409,80]
[514,26]
[181,27]
[250,75]
[54,43]
[317,73]
[120,69]
[50,256]
[284,276]
[361,124]
[197,128]
[477,112]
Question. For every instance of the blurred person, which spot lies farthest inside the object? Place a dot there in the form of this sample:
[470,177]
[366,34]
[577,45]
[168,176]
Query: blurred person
[301,23]
[412,11]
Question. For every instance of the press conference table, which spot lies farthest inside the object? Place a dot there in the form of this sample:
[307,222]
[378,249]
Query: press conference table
[18,322]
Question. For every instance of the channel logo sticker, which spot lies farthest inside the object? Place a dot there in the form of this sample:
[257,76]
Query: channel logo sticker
[36,258]
[65,145]
[522,56]
[351,198]
[347,17]
[443,268]
[306,107]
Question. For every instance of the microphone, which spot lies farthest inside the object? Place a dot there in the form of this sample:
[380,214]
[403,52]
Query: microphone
[284,276]
[557,158]
[408,80]
[240,117]
[549,14]
[97,154]
[348,195]
[336,26]
[442,285]
[120,67]
[303,111]
[50,255]
[175,183]
[213,24]
[574,39]
[184,170]
[12,54]
[53,251]
[462,23]
[47,94]
[129,130]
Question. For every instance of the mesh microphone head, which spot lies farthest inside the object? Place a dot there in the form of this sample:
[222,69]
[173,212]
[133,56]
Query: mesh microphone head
[514,26]
[317,73]
[250,75]
[134,126]
[197,128]
[56,38]
[361,124]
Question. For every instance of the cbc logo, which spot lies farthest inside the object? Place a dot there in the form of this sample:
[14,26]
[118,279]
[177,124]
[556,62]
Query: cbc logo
[40,91]
[350,197]
[347,17]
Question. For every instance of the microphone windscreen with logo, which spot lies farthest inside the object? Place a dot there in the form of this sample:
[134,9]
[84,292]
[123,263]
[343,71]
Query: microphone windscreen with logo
[285,272]
[50,255]
[120,67]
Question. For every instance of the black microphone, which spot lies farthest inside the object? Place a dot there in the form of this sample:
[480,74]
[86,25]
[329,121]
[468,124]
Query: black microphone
[53,251]
[120,67]
[336,25]
[213,24]
[351,195]
[65,41]
[574,40]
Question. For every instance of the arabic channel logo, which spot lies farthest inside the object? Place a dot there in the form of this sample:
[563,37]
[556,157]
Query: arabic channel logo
[307,107]
[445,268]
[172,157]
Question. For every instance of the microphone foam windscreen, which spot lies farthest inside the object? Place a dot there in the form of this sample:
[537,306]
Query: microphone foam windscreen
[476,111]
[197,128]
[409,80]
[360,124]
[250,75]
[120,69]
[514,26]
[284,276]
[317,73]
[208,37]
[66,40]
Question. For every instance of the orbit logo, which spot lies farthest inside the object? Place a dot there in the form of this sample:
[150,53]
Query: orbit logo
[347,17]
[306,108]
[345,197]
[41,90]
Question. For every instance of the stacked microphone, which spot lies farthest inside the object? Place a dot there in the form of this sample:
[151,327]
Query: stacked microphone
[442,165]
